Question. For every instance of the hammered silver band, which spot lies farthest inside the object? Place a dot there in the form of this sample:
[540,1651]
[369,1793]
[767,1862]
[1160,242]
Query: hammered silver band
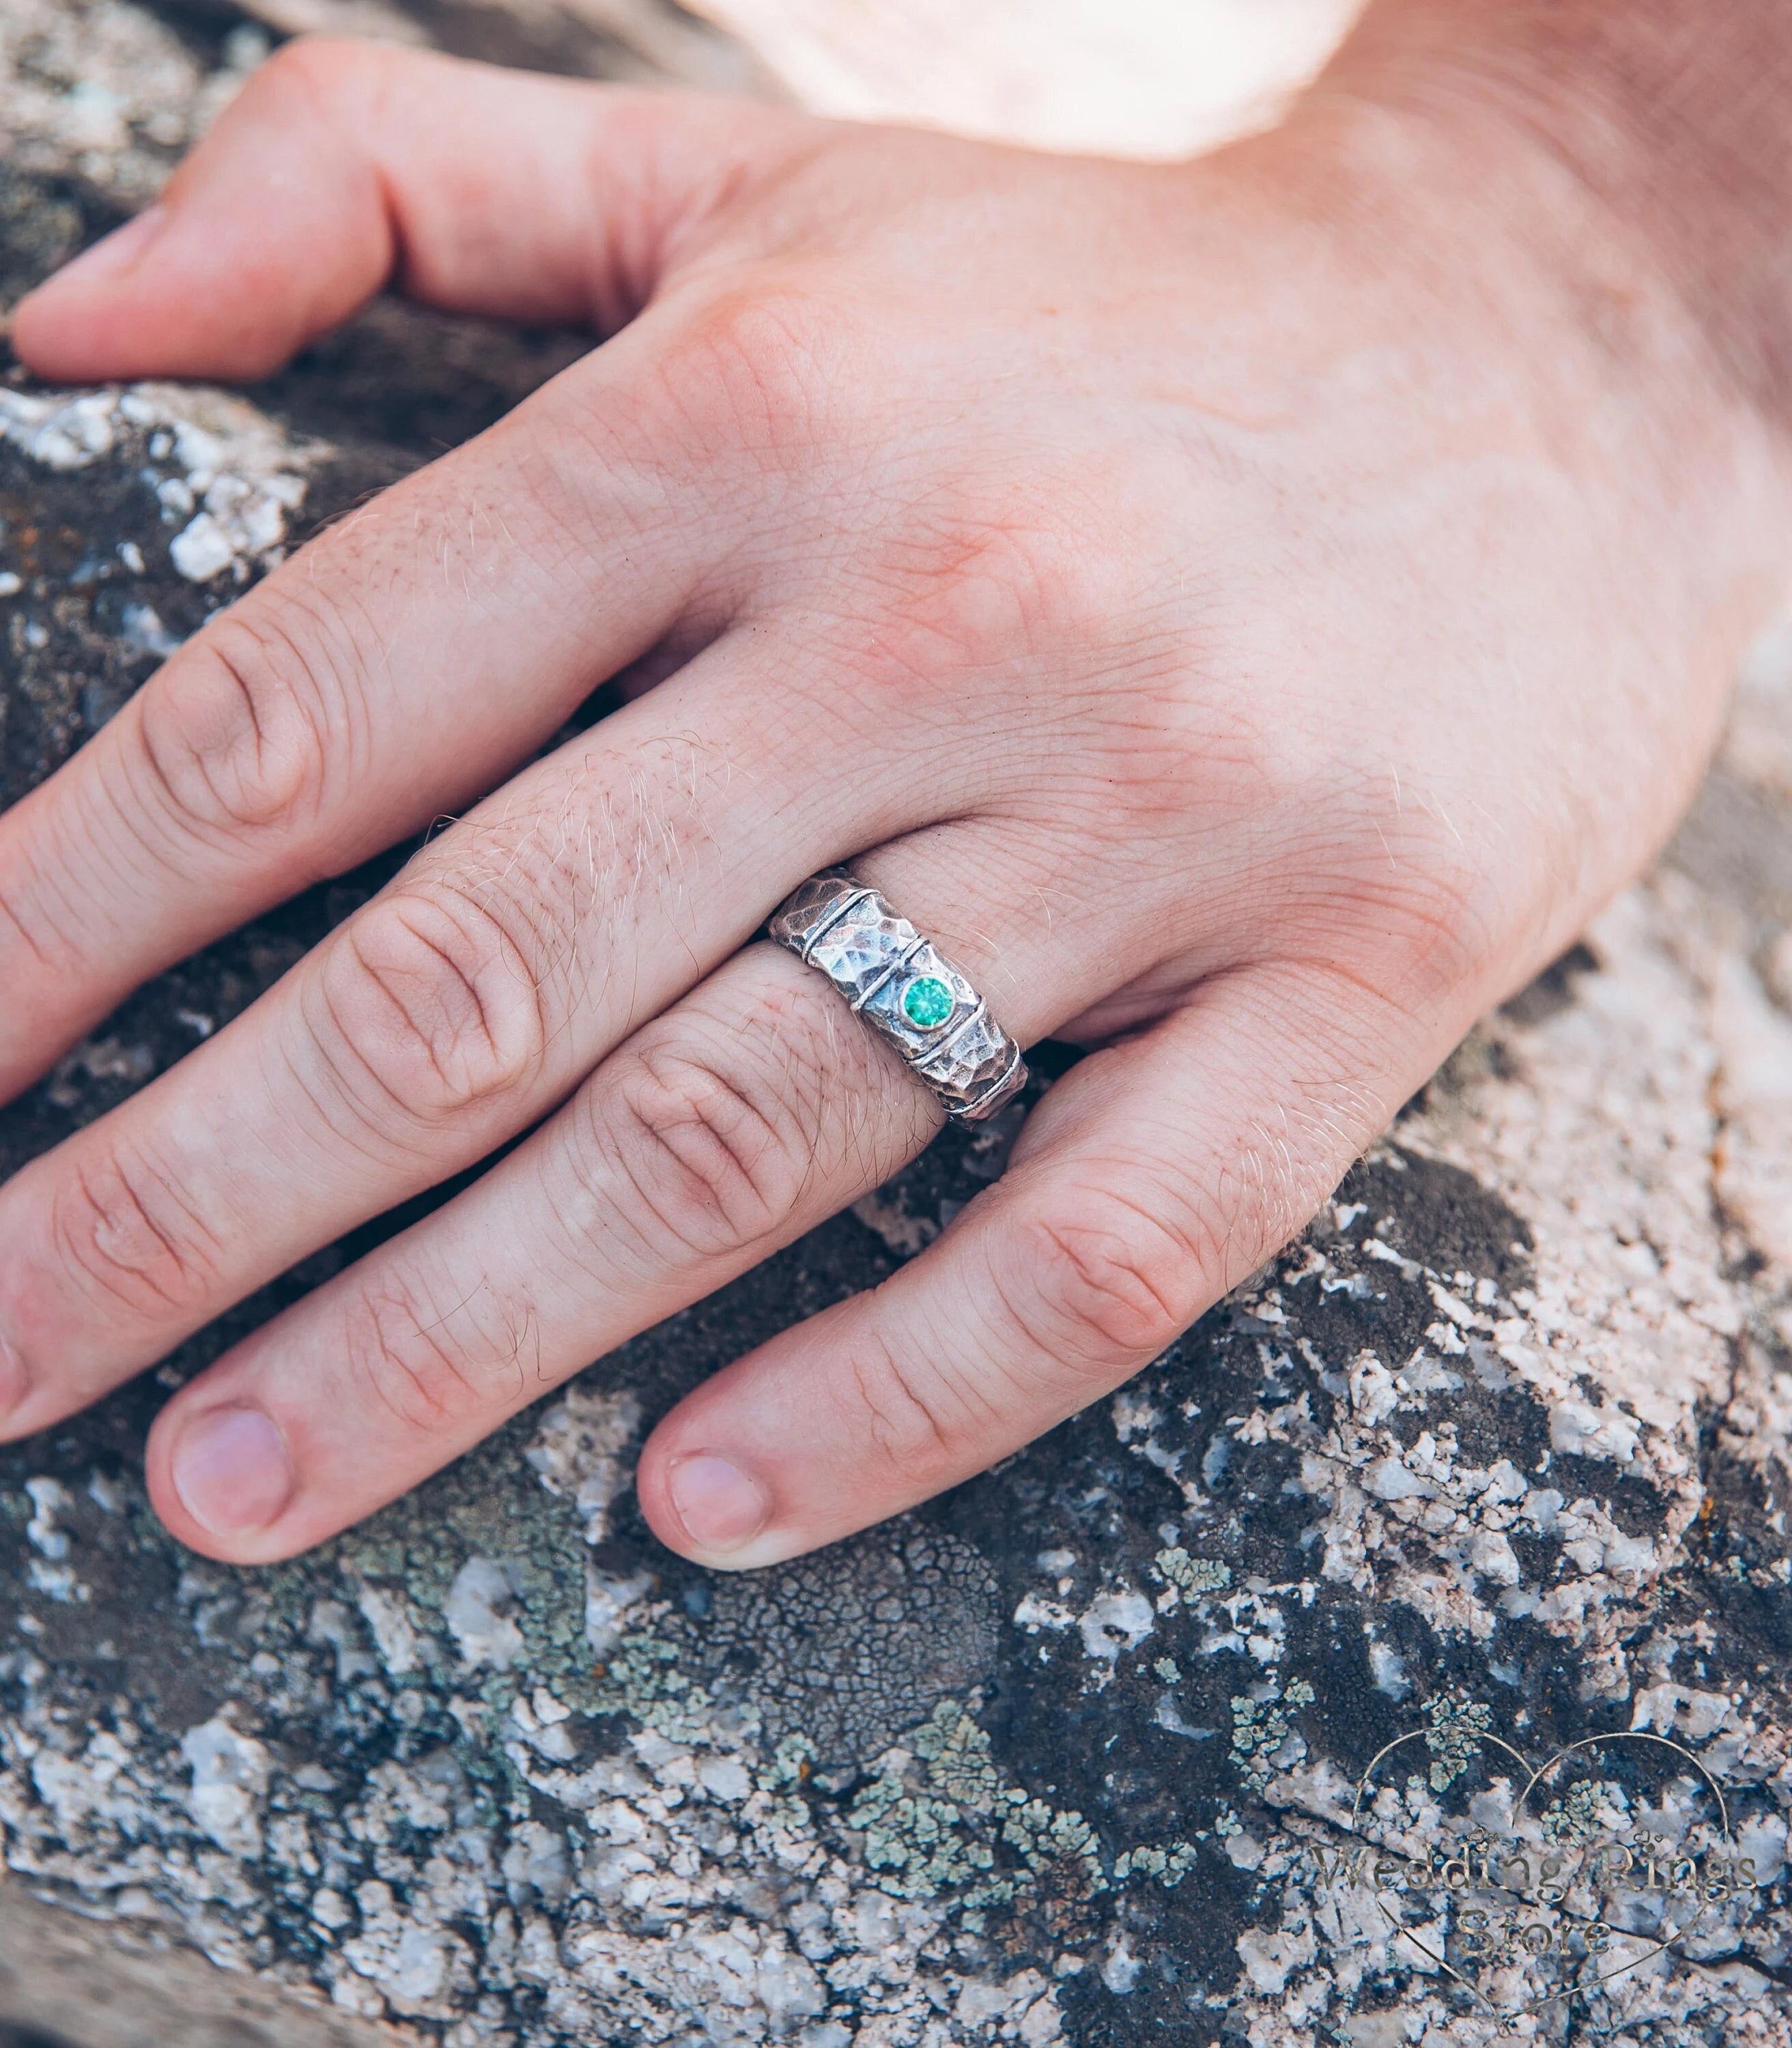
[898,981]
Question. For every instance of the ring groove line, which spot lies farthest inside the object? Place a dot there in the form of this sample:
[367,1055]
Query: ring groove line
[978,1015]
[838,915]
[998,1090]
[891,972]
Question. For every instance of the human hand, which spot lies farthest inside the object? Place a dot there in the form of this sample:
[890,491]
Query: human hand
[1251,639]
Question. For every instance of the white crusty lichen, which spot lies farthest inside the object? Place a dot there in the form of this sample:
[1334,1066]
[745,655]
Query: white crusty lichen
[876,1909]
[227,479]
[678,1889]
[229,1780]
[1406,1515]
[582,1451]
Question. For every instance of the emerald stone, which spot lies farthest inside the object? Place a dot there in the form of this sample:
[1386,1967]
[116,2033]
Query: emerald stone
[927,1002]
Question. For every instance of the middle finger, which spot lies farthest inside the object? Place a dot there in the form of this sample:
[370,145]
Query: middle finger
[454,1010]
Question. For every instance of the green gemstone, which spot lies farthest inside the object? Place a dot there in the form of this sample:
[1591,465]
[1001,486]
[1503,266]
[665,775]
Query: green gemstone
[927,1002]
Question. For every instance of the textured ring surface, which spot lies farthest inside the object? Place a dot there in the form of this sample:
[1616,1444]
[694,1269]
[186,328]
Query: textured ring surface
[898,981]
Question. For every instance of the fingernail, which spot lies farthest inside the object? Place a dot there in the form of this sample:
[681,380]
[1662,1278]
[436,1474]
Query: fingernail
[232,1472]
[13,1383]
[721,1507]
[114,254]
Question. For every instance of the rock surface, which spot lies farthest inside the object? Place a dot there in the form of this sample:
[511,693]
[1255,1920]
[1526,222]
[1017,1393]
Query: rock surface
[1498,1453]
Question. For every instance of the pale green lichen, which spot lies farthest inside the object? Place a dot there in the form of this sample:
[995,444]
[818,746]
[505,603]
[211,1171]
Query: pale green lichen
[1046,1834]
[791,1763]
[1168,1866]
[1192,1576]
[933,1818]
[1169,1670]
[1260,1726]
[958,1756]
[1575,1819]
[643,1679]
[1454,1737]
[921,1844]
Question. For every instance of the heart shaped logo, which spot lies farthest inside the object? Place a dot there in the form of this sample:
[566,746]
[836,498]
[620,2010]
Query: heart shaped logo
[1553,1879]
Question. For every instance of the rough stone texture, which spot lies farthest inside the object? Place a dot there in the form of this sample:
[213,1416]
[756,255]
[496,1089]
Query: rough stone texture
[1500,1452]
[103,99]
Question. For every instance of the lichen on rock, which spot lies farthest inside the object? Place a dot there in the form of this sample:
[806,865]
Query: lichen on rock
[1500,1452]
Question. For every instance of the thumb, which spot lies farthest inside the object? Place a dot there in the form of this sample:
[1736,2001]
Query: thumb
[342,166]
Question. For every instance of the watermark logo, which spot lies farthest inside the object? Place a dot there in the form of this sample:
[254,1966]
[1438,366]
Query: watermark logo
[1527,1884]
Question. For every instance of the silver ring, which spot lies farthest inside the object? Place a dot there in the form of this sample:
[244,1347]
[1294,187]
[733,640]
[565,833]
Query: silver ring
[899,982]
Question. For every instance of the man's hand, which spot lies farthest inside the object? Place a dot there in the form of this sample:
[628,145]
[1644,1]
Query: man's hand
[1251,612]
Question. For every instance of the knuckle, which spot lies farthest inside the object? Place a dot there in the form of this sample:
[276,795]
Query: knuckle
[1109,1280]
[1036,562]
[753,369]
[433,999]
[122,1234]
[232,732]
[906,1412]
[1384,887]
[1444,916]
[1415,928]
[978,583]
[434,1371]
[715,1144]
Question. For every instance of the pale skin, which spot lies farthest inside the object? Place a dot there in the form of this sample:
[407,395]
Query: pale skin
[1252,612]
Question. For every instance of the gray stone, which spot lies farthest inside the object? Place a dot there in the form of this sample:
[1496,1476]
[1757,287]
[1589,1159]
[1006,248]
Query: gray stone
[1498,1453]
